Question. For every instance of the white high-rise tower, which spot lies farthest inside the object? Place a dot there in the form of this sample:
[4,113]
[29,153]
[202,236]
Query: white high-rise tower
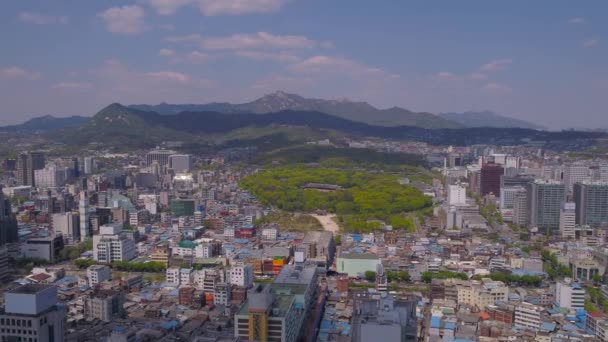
[83,207]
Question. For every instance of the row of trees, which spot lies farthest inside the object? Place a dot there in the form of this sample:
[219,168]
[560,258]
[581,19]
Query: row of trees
[552,266]
[525,280]
[130,266]
[390,275]
[427,277]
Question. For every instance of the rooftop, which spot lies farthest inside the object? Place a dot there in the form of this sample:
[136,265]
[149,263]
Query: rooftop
[300,274]
[30,288]
[358,256]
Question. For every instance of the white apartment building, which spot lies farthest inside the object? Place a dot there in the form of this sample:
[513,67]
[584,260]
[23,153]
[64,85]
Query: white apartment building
[50,177]
[270,233]
[482,294]
[229,232]
[457,195]
[185,276]
[203,251]
[112,244]
[98,274]
[68,224]
[569,295]
[528,315]
[241,275]
[173,275]
[221,294]
[567,220]
[575,173]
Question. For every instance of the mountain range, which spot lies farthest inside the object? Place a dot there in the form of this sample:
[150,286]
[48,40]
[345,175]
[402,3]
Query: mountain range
[487,119]
[47,123]
[127,126]
[280,119]
[346,109]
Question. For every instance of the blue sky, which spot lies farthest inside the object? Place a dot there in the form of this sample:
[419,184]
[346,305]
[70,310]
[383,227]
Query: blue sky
[544,61]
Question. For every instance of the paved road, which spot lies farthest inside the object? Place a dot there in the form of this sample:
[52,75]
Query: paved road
[327,222]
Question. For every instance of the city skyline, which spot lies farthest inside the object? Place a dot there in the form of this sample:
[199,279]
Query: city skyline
[542,62]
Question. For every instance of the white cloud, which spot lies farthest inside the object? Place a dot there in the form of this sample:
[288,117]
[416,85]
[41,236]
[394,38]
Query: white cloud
[496,87]
[168,76]
[282,56]
[166,52]
[217,7]
[117,82]
[194,57]
[259,40]
[477,76]
[124,20]
[190,38]
[576,20]
[41,19]
[328,64]
[444,75]
[591,42]
[273,82]
[15,72]
[236,7]
[168,7]
[249,41]
[73,86]
[495,65]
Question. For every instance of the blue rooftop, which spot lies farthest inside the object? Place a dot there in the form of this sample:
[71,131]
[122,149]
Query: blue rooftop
[435,322]
[450,326]
[547,326]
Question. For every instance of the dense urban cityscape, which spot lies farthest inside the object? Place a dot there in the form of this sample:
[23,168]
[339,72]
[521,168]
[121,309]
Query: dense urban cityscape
[161,246]
[303,171]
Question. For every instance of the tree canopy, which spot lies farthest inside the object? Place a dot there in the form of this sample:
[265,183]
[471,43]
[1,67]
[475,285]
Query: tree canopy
[361,198]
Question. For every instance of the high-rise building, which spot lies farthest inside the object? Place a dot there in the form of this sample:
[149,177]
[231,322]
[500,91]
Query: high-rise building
[545,199]
[159,156]
[516,180]
[241,275]
[27,164]
[520,207]
[383,317]
[83,208]
[5,272]
[104,305]
[9,230]
[98,274]
[112,244]
[490,179]
[575,173]
[89,165]
[567,220]
[31,312]
[457,195]
[50,177]
[277,311]
[528,315]
[507,196]
[591,200]
[180,162]
[569,295]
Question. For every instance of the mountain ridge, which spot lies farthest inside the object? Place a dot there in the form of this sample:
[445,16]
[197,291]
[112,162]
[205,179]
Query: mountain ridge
[123,125]
[487,118]
[47,123]
[344,108]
